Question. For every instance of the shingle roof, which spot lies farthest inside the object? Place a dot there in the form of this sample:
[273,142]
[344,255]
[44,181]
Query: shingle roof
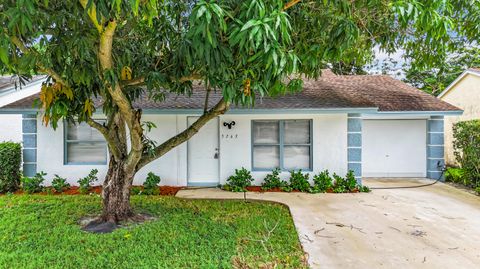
[328,92]
[8,82]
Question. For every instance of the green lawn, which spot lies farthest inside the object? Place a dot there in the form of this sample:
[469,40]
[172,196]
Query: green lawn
[41,231]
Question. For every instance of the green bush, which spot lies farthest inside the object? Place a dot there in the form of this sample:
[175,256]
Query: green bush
[477,190]
[273,180]
[466,144]
[150,186]
[60,184]
[85,182]
[10,161]
[351,183]
[239,181]
[339,184]
[364,188]
[322,182]
[348,184]
[455,175]
[299,181]
[33,184]
[136,190]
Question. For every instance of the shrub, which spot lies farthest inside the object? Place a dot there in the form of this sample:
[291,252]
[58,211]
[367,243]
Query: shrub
[136,190]
[339,185]
[364,188]
[455,175]
[10,161]
[85,183]
[322,182]
[299,181]
[467,150]
[59,183]
[239,181]
[150,186]
[477,190]
[350,181]
[33,184]
[273,180]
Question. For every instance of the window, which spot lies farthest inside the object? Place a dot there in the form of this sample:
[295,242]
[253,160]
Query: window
[286,144]
[84,145]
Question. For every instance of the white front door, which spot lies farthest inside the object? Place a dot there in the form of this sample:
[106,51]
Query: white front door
[203,155]
[394,148]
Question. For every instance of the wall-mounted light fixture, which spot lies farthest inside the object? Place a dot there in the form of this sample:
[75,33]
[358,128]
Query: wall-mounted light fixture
[229,124]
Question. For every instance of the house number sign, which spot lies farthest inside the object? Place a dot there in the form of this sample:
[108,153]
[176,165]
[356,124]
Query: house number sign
[229,136]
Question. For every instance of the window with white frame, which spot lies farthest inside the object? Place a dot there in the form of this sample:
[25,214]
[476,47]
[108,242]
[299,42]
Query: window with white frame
[84,145]
[284,144]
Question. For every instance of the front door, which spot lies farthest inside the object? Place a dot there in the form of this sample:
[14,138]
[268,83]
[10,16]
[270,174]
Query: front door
[203,155]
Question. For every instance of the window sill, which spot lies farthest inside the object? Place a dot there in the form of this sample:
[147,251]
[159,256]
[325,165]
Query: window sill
[281,170]
[105,163]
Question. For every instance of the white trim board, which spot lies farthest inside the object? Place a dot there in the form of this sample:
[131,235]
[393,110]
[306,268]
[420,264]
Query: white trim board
[457,80]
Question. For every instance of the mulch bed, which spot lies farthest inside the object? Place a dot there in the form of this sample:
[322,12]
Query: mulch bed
[74,190]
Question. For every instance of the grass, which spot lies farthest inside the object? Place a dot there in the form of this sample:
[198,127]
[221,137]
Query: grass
[40,231]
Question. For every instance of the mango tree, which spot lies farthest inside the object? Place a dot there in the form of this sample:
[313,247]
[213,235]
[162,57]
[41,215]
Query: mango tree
[113,51]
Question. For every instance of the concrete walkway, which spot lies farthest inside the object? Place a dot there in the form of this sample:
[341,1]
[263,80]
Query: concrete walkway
[430,227]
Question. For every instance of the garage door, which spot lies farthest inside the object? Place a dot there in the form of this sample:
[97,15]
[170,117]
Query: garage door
[394,148]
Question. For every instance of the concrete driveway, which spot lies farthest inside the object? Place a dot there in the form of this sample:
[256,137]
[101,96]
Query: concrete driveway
[429,227]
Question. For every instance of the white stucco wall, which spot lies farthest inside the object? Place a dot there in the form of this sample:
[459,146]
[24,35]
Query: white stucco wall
[329,148]
[11,124]
[465,95]
[10,127]
[329,143]
[50,155]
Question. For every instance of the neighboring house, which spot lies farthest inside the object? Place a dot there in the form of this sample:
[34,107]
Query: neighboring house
[374,125]
[464,93]
[11,91]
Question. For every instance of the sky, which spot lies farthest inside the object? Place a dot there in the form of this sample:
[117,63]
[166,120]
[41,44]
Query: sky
[395,61]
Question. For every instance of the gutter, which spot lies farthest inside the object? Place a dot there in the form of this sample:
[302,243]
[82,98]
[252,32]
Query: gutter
[429,113]
[264,111]
[19,110]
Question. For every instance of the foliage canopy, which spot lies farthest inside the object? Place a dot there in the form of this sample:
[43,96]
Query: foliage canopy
[242,48]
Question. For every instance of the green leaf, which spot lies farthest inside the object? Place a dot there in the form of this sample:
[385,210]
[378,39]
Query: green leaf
[4,55]
[249,24]
[201,11]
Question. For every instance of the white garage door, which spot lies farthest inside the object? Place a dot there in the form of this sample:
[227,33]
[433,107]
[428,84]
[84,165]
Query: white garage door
[394,148]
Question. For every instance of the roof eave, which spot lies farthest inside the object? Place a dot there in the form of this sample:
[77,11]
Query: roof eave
[362,110]
[13,88]
[268,110]
[457,80]
[428,113]
[19,110]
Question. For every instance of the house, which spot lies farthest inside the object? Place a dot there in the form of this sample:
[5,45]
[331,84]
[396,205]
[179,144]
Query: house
[375,126]
[11,91]
[464,93]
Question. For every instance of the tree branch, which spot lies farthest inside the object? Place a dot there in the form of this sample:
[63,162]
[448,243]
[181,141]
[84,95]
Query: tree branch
[290,4]
[102,129]
[220,108]
[21,46]
[190,77]
[92,14]
[112,145]
[133,82]
[205,105]
[141,80]
[131,116]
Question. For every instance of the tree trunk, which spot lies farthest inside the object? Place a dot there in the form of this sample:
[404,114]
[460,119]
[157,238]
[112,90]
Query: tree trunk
[116,193]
